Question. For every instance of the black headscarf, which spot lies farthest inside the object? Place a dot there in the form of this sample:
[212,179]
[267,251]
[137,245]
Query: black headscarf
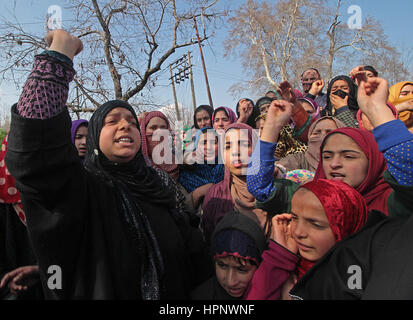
[352,97]
[205,107]
[255,113]
[138,189]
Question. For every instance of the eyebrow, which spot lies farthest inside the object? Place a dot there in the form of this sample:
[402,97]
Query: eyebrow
[341,151]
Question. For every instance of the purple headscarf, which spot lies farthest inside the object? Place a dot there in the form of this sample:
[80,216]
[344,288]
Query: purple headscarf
[75,125]
[232,116]
[315,106]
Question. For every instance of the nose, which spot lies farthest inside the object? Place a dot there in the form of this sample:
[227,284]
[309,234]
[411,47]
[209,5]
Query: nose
[335,162]
[231,279]
[298,230]
[83,141]
[123,124]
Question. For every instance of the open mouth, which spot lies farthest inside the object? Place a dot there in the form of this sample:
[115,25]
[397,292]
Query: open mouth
[337,176]
[124,140]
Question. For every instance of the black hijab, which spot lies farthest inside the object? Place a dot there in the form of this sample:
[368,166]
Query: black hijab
[352,98]
[138,189]
[205,107]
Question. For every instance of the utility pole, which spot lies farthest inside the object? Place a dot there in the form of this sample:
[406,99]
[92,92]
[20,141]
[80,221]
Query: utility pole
[184,71]
[178,116]
[191,77]
[203,64]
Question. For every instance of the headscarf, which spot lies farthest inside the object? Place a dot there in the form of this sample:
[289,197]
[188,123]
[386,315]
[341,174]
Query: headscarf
[359,113]
[315,106]
[75,125]
[254,115]
[352,96]
[205,107]
[8,191]
[230,114]
[374,188]
[394,94]
[239,235]
[199,174]
[312,154]
[148,146]
[230,193]
[345,208]
[138,190]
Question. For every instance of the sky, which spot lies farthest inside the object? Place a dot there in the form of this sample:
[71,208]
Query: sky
[223,72]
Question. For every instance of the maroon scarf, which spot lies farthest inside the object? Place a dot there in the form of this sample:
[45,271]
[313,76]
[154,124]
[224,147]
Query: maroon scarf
[374,188]
[345,208]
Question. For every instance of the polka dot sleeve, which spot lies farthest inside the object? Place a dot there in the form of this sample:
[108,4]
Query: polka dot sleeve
[396,143]
[260,175]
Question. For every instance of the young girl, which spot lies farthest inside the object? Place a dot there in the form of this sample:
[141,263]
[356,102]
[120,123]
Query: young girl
[111,227]
[203,116]
[79,134]
[222,118]
[237,244]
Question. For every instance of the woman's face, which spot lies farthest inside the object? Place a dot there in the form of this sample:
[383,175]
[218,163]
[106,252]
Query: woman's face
[233,276]
[221,121]
[154,124]
[322,128]
[344,160]
[203,119]
[80,140]
[308,107]
[340,85]
[310,227]
[406,90]
[237,151]
[208,146]
[119,138]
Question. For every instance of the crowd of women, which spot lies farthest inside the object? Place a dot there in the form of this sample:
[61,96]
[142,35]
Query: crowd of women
[300,195]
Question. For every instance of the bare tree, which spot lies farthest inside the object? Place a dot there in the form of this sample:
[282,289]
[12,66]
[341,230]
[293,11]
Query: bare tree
[126,43]
[278,41]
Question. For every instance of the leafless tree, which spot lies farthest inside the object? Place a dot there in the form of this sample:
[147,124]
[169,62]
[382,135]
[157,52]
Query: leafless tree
[126,43]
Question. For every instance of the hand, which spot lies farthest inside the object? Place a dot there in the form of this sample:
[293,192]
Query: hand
[21,279]
[286,91]
[372,98]
[338,102]
[245,109]
[278,115]
[359,74]
[281,232]
[317,87]
[63,42]
[287,286]
[199,193]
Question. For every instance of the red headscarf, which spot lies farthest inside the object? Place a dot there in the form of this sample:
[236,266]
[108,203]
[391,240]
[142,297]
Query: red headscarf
[8,191]
[391,107]
[148,145]
[374,188]
[345,208]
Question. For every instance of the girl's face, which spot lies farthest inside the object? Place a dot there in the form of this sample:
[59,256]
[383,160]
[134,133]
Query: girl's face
[237,151]
[119,138]
[221,121]
[233,276]
[344,160]
[202,119]
[154,124]
[80,140]
[309,226]
[208,145]
[340,85]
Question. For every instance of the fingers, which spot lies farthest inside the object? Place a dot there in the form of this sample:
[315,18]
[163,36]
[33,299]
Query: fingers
[8,277]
